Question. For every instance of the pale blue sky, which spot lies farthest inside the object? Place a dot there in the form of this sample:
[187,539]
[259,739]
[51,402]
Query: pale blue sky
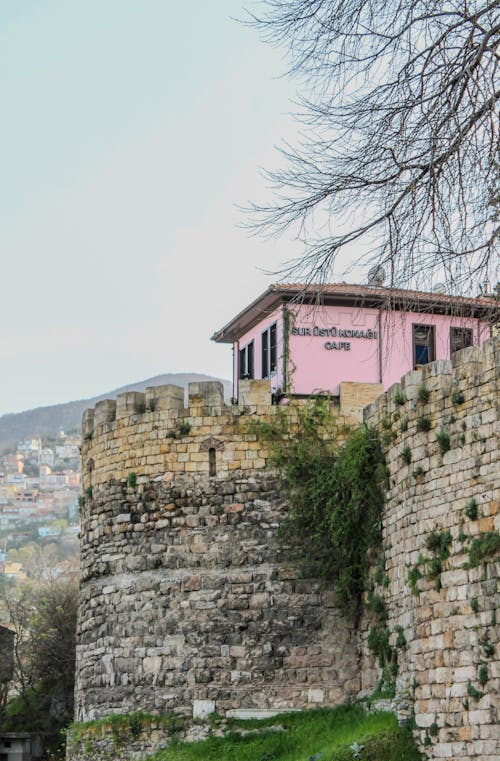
[130,130]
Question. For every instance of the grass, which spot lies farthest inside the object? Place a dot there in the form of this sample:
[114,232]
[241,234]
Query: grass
[323,733]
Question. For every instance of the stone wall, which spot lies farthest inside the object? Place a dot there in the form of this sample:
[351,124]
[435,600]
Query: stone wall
[186,604]
[449,668]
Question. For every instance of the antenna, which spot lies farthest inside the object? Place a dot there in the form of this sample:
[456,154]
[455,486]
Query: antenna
[439,288]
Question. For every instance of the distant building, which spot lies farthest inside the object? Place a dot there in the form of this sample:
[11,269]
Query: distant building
[14,570]
[30,445]
[16,479]
[20,746]
[365,334]
[53,481]
[47,457]
[68,451]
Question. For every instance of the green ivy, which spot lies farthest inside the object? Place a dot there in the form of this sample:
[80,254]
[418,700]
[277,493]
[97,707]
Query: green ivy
[335,495]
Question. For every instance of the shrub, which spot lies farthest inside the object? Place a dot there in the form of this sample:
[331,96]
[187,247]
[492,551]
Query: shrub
[483,547]
[443,440]
[423,394]
[472,692]
[400,398]
[414,575]
[423,423]
[132,479]
[470,509]
[406,454]
[482,674]
[400,636]
[458,398]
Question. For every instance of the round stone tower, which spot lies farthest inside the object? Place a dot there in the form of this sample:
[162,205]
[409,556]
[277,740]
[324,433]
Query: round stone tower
[186,604]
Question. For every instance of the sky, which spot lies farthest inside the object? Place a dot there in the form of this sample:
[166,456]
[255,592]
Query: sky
[132,132]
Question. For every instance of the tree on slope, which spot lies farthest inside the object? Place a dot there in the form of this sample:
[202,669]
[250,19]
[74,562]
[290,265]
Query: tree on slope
[43,619]
[400,141]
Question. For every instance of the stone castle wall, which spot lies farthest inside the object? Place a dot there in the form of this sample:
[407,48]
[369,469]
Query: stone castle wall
[186,605]
[450,667]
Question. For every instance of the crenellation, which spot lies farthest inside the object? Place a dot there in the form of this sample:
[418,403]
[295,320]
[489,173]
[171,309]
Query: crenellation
[130,403]
[88,423]
[104,412]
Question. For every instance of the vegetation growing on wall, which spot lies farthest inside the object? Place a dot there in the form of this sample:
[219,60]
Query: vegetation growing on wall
[330,734]
[335,495]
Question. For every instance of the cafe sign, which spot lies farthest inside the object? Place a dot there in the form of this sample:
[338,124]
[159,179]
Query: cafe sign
[315,330]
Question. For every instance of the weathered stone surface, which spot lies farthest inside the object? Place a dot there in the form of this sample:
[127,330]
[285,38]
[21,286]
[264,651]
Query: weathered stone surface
[186,600]
[451,632]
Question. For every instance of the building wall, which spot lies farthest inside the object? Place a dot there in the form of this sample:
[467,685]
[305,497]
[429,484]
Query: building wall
[451,632]
[377,348]
[255,335]
[396,339]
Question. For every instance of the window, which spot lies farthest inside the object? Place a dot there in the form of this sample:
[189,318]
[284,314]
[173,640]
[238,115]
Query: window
[212,462]
[269,351]
[246,361]
[460,338]
[423,345]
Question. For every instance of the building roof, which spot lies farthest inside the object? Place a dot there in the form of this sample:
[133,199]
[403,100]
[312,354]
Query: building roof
[370,296]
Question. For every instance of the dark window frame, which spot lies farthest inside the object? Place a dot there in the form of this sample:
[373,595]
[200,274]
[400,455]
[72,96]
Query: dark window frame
[269,354]
[430,344]
[455,332]
[246,362]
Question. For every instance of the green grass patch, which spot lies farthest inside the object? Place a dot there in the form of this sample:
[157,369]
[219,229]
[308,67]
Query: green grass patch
[337,734]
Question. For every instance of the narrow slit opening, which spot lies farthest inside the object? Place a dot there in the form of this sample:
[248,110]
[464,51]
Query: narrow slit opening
[212,467]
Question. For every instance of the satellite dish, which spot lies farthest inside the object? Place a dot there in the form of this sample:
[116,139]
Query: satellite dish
[376,275]
[439,288]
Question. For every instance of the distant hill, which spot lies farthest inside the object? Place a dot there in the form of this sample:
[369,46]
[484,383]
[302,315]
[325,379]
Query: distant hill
[48,421]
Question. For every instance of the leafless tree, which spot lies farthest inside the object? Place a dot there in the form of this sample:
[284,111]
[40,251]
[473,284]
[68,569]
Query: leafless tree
[399,148]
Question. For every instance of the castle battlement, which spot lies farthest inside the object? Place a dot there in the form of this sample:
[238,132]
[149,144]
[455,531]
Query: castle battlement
[153,432]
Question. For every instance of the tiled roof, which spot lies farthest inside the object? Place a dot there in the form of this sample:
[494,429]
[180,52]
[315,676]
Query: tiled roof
[374,296]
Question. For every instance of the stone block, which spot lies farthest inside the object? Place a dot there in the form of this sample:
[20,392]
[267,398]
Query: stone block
[203,708]
[130,403]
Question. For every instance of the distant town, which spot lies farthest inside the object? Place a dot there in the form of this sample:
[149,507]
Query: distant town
[39,517]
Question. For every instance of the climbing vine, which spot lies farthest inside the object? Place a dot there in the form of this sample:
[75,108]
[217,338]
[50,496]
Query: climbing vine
[334,492]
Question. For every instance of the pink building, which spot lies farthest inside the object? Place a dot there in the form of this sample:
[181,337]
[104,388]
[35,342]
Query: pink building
[313,341]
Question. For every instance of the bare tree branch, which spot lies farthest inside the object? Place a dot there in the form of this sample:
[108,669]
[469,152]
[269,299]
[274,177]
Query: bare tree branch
[401,136]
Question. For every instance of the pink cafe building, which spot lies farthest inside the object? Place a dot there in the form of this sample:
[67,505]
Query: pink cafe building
[362,334]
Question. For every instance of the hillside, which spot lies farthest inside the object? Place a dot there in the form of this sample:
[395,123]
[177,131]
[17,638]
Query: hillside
[48,421]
